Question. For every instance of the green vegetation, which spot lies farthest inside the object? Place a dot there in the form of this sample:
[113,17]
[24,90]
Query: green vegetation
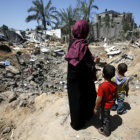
[126,26]
[106,19]
[86,8]
[67,18]
[44,14]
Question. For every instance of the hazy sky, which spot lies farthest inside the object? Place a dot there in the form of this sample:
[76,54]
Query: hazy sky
[14,12]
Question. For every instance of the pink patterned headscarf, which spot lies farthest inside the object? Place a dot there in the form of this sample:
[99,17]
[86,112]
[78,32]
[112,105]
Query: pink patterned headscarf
[79,47]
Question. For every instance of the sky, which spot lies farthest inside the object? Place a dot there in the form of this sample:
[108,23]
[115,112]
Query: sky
[14,12]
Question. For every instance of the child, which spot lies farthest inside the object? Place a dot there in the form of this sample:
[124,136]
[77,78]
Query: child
[106,92]
[123,87]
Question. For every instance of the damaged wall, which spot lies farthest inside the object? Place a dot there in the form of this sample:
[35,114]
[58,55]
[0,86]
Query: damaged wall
[112,25]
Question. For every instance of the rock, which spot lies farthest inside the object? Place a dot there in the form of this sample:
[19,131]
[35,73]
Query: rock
[12,97]
[6,130]
[17,76]
[45,50]
[2,37]
[22,62]
[14,104]
[33,83]
[112,53]
[37,51]
[2,88]
[1,99]
[5,48]
[130,57]
[11,35]
[30,78]
[132,77]
[23,96]
[59,52]
[12,69]
[23,103]
[31,100]
[9,75]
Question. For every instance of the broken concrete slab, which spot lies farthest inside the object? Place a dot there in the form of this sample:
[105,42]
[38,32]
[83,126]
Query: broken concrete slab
[12,97]
[59,52]
[45,50]
[2,37]
[112,53]
[5,48]
[12,69]
[11,35]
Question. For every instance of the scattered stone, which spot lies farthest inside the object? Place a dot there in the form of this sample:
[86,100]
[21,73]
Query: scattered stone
[6,130]
[1,99]
[5,48]
[12,97]
[23,103]
[12,69]
[2,88]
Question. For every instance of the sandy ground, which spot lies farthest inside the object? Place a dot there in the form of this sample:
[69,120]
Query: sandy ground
[49,118]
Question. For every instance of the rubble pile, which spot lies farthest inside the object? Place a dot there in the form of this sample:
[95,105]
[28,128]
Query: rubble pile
[119,52]
[33,62]
[33,72]
[30,63]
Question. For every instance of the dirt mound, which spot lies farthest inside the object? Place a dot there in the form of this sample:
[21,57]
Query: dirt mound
[49,120]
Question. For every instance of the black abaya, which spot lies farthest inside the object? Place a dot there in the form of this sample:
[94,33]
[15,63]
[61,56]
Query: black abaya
[81,91]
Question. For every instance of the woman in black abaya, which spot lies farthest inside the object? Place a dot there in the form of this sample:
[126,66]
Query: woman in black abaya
[80,77]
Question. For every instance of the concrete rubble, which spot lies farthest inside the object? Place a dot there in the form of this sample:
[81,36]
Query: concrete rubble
[115,53]
[30,63]
[33,62]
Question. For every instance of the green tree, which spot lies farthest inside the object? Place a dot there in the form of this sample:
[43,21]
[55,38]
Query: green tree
[126,26]
[107,20]
[67,18]
[44,14]
[86,7]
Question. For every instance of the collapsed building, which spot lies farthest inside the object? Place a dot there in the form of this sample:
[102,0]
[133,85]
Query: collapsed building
[113,25]
[30,62]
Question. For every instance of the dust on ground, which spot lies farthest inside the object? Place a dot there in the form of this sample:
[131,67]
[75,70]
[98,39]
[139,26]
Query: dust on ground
[48,118]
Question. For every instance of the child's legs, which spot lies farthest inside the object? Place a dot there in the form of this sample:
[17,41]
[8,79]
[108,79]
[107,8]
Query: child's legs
[105,115]
[120,101]
[114,107]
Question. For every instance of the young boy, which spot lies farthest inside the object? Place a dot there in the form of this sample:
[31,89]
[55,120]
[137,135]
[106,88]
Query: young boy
[106,92]
[123,87]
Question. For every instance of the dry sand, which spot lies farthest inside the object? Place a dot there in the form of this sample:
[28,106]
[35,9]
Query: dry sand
[49,118]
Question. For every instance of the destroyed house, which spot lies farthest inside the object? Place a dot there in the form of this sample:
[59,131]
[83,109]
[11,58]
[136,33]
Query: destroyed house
[112,25]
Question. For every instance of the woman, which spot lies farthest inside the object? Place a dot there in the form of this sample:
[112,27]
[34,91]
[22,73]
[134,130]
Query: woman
[81,76]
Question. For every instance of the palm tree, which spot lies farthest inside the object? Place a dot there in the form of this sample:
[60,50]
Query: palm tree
[67,19]
[86,7]
[45,14]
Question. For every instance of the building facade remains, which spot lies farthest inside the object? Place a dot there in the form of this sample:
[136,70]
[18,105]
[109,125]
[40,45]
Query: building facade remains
[113,25]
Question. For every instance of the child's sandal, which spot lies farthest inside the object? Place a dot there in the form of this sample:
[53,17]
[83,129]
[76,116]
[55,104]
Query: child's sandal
[100,130]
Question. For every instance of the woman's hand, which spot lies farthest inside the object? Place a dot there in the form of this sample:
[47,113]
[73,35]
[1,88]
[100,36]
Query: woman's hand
[96,59]
[95,111]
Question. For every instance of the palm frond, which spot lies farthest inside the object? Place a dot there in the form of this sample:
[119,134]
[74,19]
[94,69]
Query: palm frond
[45,14]
[48,5]
[95,7]
[87,8]
[31,17]
[32,9]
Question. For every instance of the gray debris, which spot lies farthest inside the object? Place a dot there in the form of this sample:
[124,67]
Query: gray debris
[12,97]
[6,130]
[12,69]
[11,35]
[59,52]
